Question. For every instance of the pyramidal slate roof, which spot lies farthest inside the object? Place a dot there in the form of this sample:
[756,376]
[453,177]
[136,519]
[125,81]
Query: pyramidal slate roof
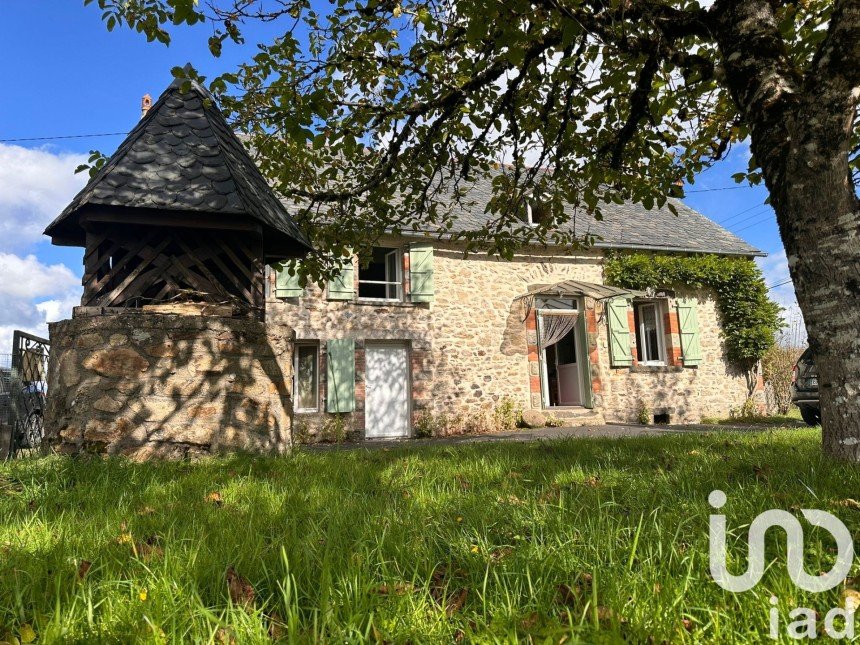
[183,157]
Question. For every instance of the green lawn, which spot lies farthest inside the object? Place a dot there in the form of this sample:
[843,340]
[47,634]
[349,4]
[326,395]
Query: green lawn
[584,540]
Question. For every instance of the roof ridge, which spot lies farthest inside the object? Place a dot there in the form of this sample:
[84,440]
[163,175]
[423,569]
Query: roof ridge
[228,161]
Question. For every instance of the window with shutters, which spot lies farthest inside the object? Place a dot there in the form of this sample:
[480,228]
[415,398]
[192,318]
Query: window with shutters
[650,342]
[306,383]
[380,277]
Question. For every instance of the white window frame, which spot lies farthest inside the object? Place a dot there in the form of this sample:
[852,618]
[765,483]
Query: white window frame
[316,346]
[640,333]
[397,283]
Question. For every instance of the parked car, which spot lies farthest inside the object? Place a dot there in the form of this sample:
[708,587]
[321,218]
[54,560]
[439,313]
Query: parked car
[804,388]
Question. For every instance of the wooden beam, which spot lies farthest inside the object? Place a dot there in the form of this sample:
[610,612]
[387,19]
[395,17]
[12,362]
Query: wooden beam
[108,298]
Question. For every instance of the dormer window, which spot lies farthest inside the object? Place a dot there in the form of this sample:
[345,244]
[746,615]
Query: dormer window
[536,213]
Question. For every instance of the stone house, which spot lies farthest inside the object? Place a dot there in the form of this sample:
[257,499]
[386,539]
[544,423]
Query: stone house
[419,339]
[186,343]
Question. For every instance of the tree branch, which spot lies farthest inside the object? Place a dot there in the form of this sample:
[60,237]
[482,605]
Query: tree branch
[835,72]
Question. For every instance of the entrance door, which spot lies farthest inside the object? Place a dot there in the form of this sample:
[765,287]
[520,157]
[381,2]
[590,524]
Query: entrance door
[568,370]
[386,407]
[560,368]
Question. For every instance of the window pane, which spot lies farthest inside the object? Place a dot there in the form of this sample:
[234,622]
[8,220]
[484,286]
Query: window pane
[391,274]
[306,377]
[375,273]
[651,342]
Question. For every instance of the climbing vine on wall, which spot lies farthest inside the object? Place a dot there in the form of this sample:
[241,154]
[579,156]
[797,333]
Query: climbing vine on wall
[750,319]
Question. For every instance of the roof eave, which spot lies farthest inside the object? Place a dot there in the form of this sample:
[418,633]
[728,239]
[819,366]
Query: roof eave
[608,245]
[677,249]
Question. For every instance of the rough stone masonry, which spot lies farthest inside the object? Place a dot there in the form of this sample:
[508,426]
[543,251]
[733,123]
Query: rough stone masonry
[153,385]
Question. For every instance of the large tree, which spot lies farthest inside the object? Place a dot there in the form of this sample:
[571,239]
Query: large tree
[367,111]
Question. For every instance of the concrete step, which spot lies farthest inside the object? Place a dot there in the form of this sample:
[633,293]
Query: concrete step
[576,416]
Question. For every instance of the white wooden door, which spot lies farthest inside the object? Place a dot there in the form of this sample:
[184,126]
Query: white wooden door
[386,408]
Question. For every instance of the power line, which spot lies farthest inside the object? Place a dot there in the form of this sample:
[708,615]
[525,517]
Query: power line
[744,219]
[67,136]
[746,210]
[764,221]
[710,190]
[778,284]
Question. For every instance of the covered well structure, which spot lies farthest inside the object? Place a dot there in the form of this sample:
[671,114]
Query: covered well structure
[168,353]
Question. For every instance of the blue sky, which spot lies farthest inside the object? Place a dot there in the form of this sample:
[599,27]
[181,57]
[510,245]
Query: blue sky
[65,74]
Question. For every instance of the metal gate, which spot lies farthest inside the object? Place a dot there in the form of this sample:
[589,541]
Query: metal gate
[27,391]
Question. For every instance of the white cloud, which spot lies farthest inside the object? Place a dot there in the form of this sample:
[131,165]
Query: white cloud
[27,277]
[32,294]
[37,185]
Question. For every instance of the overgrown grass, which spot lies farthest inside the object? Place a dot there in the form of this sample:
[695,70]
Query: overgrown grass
[594,540]
[792,418]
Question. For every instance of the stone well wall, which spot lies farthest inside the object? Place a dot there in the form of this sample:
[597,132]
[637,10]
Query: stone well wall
[144,384]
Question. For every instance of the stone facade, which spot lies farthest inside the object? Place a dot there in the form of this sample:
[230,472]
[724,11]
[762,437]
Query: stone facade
[145,384]
[475,345]
[714,388]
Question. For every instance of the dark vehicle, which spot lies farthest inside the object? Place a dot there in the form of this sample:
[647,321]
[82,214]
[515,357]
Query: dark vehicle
[804,388]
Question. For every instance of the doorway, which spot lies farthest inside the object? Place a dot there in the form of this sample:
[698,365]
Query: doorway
[558,329]
[387,396]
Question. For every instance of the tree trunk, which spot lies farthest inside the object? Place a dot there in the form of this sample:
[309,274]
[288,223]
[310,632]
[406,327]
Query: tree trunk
[820,226]
[801,133]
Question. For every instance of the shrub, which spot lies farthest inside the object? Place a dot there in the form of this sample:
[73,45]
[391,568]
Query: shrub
[777,365]
[507,415]
[553,421]
[644,416]
[334,429]
[426,425]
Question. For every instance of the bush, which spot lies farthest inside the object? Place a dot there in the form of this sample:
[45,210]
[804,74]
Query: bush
[777,364]
[644,415]
[507,415]
[334,429]
[426,425]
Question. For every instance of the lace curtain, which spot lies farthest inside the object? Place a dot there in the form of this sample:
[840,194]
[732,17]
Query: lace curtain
[554,327]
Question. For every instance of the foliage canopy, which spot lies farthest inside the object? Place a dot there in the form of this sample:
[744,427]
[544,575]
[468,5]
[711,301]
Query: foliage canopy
[377,114]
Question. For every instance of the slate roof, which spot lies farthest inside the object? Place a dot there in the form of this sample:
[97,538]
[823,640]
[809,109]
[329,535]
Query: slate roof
[182,156]
[624,226]
[628,225]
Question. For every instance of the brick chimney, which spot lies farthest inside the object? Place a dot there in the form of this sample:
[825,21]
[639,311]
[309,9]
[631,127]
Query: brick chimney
[145,104]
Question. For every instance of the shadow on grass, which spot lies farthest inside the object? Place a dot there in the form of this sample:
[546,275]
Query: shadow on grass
[350,544]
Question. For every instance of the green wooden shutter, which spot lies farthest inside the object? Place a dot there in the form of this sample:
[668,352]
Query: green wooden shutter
[620,354]
[421,272]
[340,375]
[286,285]
[688,324]
[342,286]
[584,364]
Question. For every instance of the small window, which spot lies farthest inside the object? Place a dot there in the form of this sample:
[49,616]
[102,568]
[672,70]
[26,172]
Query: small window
[381,278]
[650,345]
[306,379]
